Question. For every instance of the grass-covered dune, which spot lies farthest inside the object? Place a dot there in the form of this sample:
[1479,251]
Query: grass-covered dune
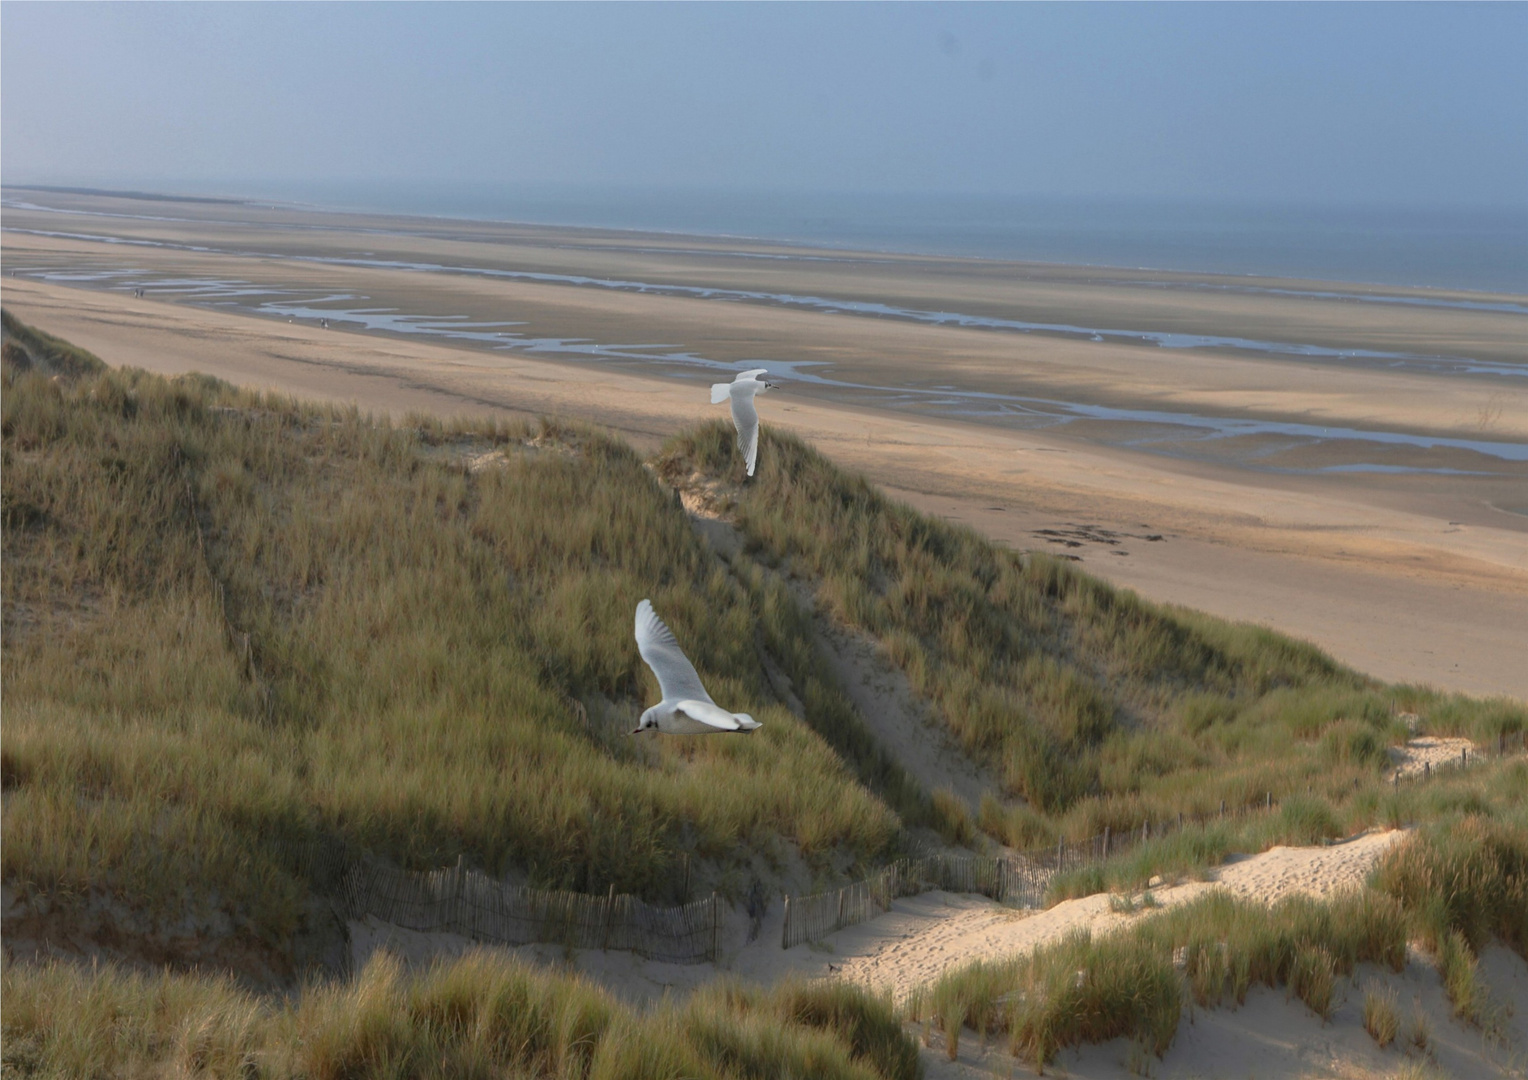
[1094,706]
[1452,888]
[243,631]
[240,629]
[480,1016]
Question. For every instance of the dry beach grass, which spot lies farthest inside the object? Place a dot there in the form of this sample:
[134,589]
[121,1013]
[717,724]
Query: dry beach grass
[240,627]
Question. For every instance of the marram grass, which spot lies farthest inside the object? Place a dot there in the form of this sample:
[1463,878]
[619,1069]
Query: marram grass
[1452,886]
[481,1015]
[1094,706]
[238,627]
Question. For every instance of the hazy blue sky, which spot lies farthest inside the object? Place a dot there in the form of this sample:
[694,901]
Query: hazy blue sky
[1391,103]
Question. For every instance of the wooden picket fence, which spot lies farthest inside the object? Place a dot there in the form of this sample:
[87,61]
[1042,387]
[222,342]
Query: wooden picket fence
[1010,881]
[468,902]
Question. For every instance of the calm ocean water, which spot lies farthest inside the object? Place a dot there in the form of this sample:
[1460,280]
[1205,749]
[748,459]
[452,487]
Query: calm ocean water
[1481,249]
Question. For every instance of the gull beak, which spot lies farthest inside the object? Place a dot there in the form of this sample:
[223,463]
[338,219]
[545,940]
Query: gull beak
[636,731]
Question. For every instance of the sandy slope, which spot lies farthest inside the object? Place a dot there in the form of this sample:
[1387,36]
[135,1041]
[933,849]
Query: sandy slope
[940,932]
[1272,1037]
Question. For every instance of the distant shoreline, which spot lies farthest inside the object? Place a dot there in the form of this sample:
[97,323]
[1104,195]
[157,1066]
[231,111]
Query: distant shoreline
[1438,249]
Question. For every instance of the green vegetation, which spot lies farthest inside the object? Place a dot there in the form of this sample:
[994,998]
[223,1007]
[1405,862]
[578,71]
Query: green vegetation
[25,348]
[1096,707]
[482,1015]
[1453,886]
[1467,876]
[1496,790]
[1089,990]
[242,630]
[1381,1020]
[243,633]
[1465,881]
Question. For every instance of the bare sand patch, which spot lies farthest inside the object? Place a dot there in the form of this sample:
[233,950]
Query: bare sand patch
[939,933]
[1428,752]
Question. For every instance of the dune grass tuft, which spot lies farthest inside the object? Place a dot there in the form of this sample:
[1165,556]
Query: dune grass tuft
[1453,885]
[479,1015]
[1091,990]
[1381,1019]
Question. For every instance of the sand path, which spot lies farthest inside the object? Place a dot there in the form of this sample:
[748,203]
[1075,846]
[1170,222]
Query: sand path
[939,932]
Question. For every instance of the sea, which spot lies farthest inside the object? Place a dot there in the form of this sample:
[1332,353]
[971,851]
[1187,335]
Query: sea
[1471,248]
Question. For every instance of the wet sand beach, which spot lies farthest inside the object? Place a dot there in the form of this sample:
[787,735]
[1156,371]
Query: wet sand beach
[1347,464]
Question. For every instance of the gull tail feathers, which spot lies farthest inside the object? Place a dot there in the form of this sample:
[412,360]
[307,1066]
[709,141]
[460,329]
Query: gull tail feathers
[746,722]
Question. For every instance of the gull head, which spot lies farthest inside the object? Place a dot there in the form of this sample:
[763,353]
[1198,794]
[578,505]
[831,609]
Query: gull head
[649,720]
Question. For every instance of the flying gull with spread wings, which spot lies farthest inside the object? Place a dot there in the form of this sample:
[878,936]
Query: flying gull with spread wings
[742,390]
[686,708]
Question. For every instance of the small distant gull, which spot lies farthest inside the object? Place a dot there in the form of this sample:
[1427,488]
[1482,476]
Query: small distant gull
[742,391]
[686,708]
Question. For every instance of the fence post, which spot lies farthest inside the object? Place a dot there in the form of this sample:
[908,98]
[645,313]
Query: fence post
[1396,779]
[1426,770]
[1106,841]
[460,892]
[715,928]
[609,917]
[785,932]
[1222,808]
[1464,758]
[1060,853]
[1270,800]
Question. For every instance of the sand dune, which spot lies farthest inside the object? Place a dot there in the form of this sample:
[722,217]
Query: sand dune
[1323,561]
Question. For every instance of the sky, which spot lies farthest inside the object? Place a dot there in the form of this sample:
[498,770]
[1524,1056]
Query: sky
[1394,104]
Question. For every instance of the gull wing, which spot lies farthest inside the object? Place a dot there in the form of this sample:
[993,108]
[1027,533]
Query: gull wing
[746,417]
[720,392]
[752,373]
[707,716]
[677,677]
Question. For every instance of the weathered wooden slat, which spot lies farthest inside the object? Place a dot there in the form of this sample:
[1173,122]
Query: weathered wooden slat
[470,903]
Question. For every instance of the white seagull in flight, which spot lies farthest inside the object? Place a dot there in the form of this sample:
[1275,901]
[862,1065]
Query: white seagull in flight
[686,708]
[742,391]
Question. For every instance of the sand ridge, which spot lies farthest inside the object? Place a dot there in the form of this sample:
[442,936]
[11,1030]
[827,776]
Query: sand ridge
[936,932]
